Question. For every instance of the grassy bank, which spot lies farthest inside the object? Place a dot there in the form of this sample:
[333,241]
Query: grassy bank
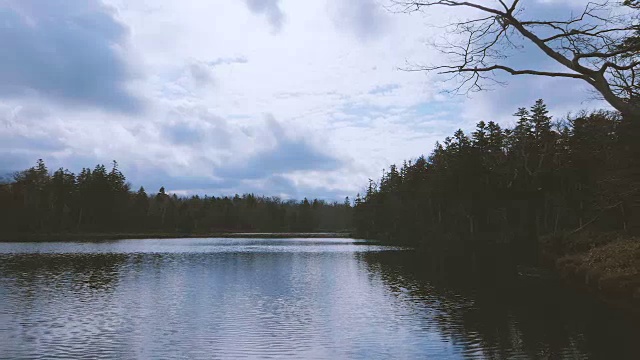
[75,237]
[607,265]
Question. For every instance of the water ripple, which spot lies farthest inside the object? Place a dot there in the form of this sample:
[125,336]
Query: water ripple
[252,298]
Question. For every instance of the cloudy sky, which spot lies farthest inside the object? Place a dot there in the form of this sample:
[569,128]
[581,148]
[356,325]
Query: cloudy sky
[277,97]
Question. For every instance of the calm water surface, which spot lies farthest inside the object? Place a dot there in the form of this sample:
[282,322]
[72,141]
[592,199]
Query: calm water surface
[296,298]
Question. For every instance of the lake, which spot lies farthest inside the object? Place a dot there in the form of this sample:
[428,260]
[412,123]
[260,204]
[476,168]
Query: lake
[285,298]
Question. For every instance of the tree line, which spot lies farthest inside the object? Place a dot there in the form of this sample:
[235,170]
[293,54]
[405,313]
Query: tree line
[101,200]
[507,185]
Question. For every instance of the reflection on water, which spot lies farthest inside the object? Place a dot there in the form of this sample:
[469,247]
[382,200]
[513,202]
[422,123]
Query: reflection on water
[495,315]
[300,298]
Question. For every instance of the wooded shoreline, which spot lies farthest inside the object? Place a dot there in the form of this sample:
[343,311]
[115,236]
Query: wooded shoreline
[605,265]
[89,237]
[600,266]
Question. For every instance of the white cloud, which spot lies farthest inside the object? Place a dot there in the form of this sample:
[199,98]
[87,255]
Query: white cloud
[231,97]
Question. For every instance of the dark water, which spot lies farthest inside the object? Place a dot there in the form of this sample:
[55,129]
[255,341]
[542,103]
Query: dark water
[297,298]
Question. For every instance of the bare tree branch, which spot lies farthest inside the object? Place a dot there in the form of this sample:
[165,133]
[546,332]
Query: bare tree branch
[600,45]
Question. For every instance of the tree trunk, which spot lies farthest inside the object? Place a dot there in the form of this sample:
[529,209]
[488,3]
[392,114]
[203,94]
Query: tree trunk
[79,219]
[630,169]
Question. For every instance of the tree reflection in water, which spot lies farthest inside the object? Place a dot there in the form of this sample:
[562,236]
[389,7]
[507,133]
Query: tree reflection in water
[34,272]
[492,314]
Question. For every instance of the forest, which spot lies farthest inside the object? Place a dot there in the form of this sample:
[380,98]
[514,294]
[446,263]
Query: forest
[101,201]
[507,186]
[510,186]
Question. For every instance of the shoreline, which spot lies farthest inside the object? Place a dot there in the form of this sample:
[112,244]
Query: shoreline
[88,237]
[605,266]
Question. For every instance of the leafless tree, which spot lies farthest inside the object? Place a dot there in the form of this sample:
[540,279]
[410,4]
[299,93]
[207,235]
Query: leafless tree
[599,45]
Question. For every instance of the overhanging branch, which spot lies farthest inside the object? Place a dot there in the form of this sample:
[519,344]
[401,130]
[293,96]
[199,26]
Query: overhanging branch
[512,71]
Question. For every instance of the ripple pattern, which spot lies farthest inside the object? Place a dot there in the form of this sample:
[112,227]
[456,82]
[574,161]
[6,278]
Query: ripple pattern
[252,298]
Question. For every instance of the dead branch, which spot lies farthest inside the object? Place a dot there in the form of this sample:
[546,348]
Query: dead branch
[599,46]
